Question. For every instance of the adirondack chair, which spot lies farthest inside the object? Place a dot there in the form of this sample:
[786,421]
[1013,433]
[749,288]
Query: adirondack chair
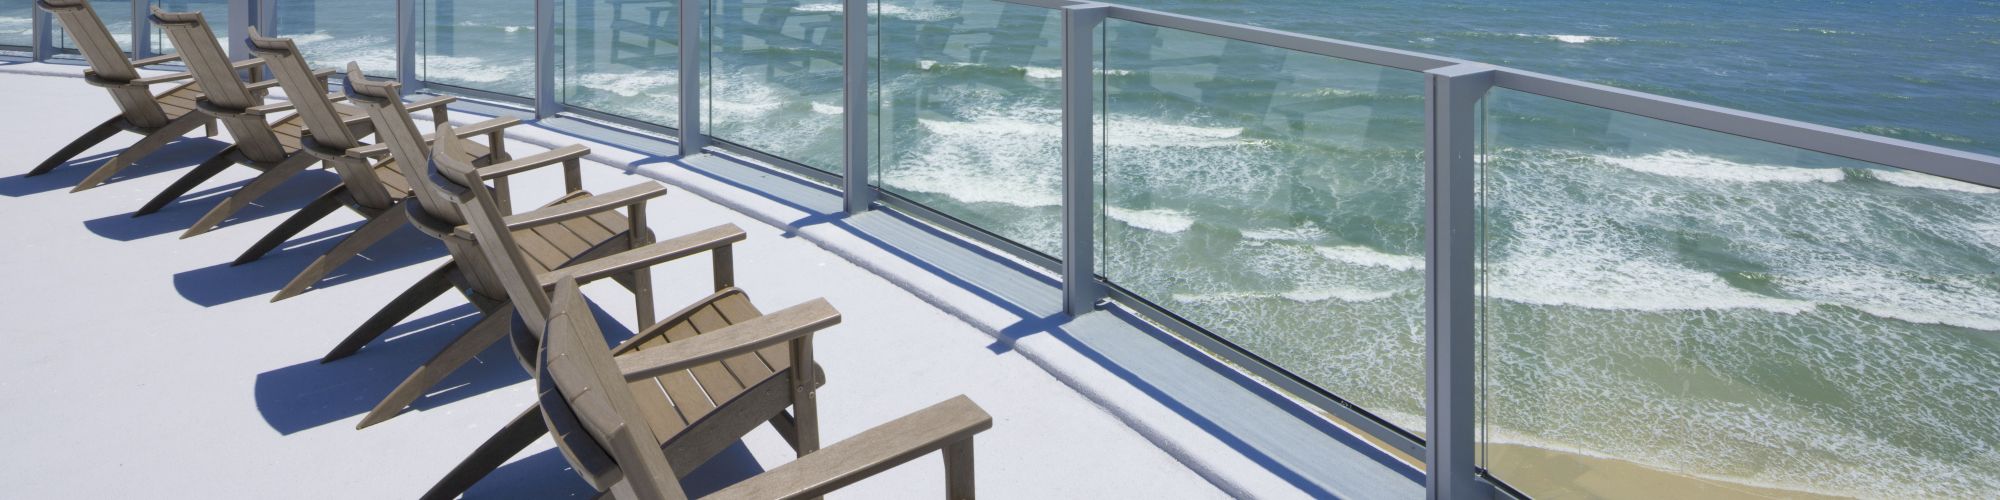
[572,231]
[681,390]
[368,187]
[158,118]
[271,147]
[597,407]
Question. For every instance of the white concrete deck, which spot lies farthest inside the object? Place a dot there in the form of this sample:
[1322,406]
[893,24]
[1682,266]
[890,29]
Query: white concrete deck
[137,364]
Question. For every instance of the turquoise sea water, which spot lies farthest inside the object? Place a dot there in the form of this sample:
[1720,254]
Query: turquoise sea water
[1691,302]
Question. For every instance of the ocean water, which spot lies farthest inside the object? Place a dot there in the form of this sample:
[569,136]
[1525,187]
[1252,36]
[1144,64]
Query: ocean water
[1694,303]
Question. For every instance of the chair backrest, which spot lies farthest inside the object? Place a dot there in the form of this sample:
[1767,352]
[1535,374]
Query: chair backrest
[589,407]
[329,129]
[383,100]
[222,92]
[106,60]
[584,399]
[205,59]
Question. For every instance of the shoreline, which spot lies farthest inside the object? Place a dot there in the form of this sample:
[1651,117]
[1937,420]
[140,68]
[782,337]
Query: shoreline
[1546,473]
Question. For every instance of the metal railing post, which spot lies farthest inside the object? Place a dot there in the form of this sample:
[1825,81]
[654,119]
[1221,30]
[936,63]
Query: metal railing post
[545,59]
[1081,290]
[855,191]
[406,45]
[43,26]
[1449,97]
[691,37]
[241,14]
[266,19]
[142,29]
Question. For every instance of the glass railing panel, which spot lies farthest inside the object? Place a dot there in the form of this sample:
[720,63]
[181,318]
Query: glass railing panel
[17,23]
[117,17]
[484,45]
[216,12]
[774,78]
[968,120]
[332,33]
[1276,199]
[621,57]
[1666,308]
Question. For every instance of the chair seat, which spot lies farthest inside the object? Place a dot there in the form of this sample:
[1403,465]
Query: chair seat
[293,126]
[179,100]
[550,246]
[391,173]
[675,401]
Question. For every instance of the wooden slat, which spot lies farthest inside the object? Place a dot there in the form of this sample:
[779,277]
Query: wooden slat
[659,413]
[721,385]
[746,370]
[737,308]
[565,241]
[593,229]
[545,256]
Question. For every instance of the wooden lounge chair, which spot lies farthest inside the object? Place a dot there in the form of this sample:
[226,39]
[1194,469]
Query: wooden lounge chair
[271,147]
[571,231]
[680,390]
[159,118]
[368,187]
[598,408]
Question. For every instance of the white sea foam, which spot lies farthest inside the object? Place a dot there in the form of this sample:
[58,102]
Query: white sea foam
[1624,285]
[1919,180]
[826,109]
[1364,256]
[1043,73]
[1569,38]
[311,38]
[1307,232]
[1301,295]
[630,84]
[1940,300]
[886,10]
[1157,219]
[1688,165]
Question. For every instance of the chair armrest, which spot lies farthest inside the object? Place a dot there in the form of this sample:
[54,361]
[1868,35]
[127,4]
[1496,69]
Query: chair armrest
[154,80]
[489,126]
[716,238]
[534,161]
[268,108]
[939,427]
[162,59]
[580,208]
[439,116]
[757,333]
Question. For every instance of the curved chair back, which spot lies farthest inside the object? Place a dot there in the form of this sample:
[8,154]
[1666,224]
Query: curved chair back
[109,68]
[590,408]
[330,134]
[383,99]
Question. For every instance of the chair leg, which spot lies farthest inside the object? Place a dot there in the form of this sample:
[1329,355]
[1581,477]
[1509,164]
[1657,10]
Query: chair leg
[425,290]
[139,150]
[958,477]
[490,455]
[187,182]
[490,329]
[257,188]
[378,227]
[96,135]
[320,207]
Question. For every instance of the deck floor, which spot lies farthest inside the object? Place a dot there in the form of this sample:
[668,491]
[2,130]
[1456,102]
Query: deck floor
[138,364]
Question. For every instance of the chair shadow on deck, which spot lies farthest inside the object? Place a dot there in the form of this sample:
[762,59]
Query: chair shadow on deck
[223,283]
[311,394]
[545,474]
[177,216]
[173,157]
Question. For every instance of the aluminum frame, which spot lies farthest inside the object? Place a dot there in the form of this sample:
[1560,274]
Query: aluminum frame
[1451,121]
[1081,290]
